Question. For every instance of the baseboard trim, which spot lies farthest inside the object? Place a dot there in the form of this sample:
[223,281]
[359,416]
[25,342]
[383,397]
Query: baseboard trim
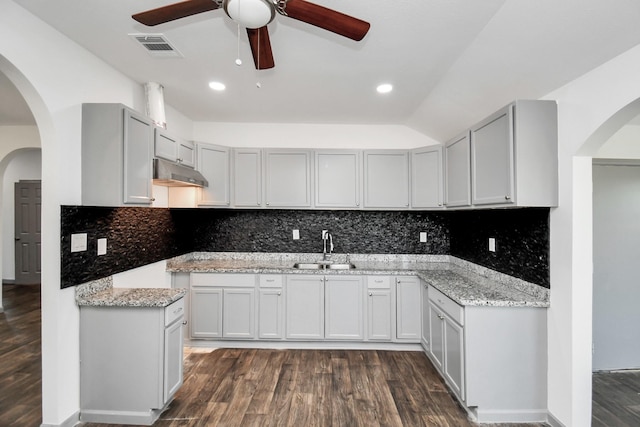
[73,420]
[510,416]
[146,418]
[553,421]
[304,345]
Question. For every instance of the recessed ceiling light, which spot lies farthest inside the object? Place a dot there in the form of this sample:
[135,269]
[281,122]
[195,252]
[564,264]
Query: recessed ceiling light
[217,86]
[384,88]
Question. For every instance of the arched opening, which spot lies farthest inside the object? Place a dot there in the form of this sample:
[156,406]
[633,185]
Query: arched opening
[14,147]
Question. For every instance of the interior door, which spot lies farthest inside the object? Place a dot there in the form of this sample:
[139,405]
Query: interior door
[28,231]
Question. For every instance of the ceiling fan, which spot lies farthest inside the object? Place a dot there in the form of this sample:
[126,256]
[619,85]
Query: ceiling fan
[256,14]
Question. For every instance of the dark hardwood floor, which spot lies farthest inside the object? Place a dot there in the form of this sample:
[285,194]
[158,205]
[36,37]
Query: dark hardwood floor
[20,356]
[616,399]
[280,387]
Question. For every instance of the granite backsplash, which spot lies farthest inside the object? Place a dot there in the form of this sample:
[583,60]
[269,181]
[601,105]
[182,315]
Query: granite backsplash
[140,236]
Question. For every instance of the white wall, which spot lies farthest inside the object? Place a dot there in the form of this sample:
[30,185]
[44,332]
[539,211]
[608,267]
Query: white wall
[56,76]
[624,144]
[309,135]
[25,164]
[616,246]
[585,105]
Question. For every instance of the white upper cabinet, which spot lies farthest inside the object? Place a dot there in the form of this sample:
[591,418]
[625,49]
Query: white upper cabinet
[165,146]
[288,178]
[457,157]
[386,179]
[117,147]
[187,153]
[213,163]
[337,179]
[514,156]
[426,177]
[247,177]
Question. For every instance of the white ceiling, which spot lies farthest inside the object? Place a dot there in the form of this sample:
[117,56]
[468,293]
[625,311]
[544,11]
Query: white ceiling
[451,62]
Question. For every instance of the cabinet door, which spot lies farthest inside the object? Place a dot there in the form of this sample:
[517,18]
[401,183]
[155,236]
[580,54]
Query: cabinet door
[408,316]
[426,318]
[165,146]
[426,177]
[492,159]
[206,313]
[454,356]
[173,345]
[457,171]
[337,179]
[187,153]
[386,181]
[436,336]
[379,315]
[344,319]
[213,163]
[247,177]
[270,314]
[238,313]
[138,143]
[288,178]
[304,307]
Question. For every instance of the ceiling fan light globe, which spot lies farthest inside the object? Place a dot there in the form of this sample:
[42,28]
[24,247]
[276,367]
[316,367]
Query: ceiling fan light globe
[250,13]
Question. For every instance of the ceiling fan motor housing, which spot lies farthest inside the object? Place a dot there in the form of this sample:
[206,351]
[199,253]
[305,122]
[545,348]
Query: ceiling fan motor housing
[250,13]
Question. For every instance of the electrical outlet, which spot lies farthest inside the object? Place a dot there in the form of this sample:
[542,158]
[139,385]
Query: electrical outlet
[296,234]
[423,237]
[102,246]
[79,242]
[492,244]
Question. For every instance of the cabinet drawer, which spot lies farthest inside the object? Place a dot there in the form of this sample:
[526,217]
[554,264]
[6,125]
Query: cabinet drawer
[270,281]
[446,304]
[173,312]
[379,282]
[223,279]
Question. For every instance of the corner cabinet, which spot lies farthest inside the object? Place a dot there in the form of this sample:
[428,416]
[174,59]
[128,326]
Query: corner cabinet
[457,180]
[131,362]
[514,156]
[288,178]
[426,177]
[117,148]
[213,163]
[386,179]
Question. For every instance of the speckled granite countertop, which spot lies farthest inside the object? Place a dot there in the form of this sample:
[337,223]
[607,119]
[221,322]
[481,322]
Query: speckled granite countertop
[466,283]
[101,293]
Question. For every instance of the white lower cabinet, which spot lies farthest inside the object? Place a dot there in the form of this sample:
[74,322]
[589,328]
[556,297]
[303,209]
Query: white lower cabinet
[343,309]
[447,348]
[408,309]
[222,306]
[304,307]
[379,308]
[131,362]
[270,307]
[426,321]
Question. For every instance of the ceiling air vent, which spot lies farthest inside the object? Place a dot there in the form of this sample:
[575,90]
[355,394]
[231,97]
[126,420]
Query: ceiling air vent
[157,45]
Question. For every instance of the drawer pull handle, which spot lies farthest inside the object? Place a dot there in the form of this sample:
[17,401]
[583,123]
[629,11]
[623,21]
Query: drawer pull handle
[178,310]
[270,280]
[184,322]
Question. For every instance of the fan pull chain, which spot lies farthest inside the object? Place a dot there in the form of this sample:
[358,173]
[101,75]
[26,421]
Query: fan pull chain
[238,60]
[258,85]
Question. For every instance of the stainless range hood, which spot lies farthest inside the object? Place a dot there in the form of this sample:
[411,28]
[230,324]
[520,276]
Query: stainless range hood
[171,174]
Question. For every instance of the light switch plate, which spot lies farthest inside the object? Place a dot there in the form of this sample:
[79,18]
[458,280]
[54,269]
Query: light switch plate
[423,237]
[296,234]
[492,244]
[102,246]
[78,242]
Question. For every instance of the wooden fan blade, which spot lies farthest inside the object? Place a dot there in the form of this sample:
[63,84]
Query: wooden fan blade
[174,11]
[327,19]
[261,47]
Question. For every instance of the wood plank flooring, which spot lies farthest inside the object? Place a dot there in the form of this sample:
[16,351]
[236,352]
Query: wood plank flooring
[280,388]
[20,356]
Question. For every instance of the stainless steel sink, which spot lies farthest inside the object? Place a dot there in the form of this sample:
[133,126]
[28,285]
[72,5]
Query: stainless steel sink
[323,266]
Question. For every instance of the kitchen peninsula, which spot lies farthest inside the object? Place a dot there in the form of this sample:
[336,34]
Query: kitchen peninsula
[484,331]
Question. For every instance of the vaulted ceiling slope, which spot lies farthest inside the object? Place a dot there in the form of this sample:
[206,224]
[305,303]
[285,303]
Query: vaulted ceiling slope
[451,62]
